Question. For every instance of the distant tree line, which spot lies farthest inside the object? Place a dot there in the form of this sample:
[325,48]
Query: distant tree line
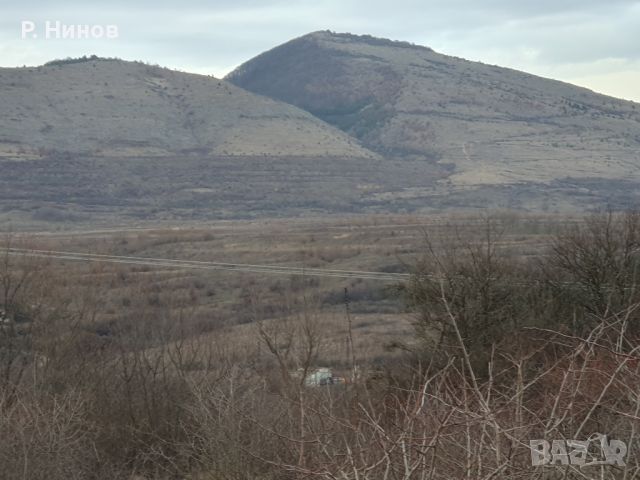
[72,60]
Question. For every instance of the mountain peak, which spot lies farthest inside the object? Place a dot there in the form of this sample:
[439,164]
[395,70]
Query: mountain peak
[482,125]
[360,38]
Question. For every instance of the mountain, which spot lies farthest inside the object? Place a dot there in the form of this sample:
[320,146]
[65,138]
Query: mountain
[495,136]
[326,123]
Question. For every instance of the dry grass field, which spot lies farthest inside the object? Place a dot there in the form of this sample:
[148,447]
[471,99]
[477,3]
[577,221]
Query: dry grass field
[229,304]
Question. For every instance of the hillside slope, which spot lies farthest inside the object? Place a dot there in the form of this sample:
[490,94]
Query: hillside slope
[117,108]
[106,141]
[488,128]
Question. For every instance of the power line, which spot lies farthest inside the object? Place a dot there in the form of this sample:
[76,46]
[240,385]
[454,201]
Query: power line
[233,267]
[192,264]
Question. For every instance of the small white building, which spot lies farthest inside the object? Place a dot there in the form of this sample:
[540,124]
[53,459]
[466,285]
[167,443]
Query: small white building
[322,376]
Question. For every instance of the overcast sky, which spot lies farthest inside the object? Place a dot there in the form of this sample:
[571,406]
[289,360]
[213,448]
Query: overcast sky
[593,43]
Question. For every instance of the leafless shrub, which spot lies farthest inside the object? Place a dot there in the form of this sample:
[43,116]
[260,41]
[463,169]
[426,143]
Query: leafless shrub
[46,439]
[596,266]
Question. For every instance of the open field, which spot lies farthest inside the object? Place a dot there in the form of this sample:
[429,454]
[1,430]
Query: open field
[230,303]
